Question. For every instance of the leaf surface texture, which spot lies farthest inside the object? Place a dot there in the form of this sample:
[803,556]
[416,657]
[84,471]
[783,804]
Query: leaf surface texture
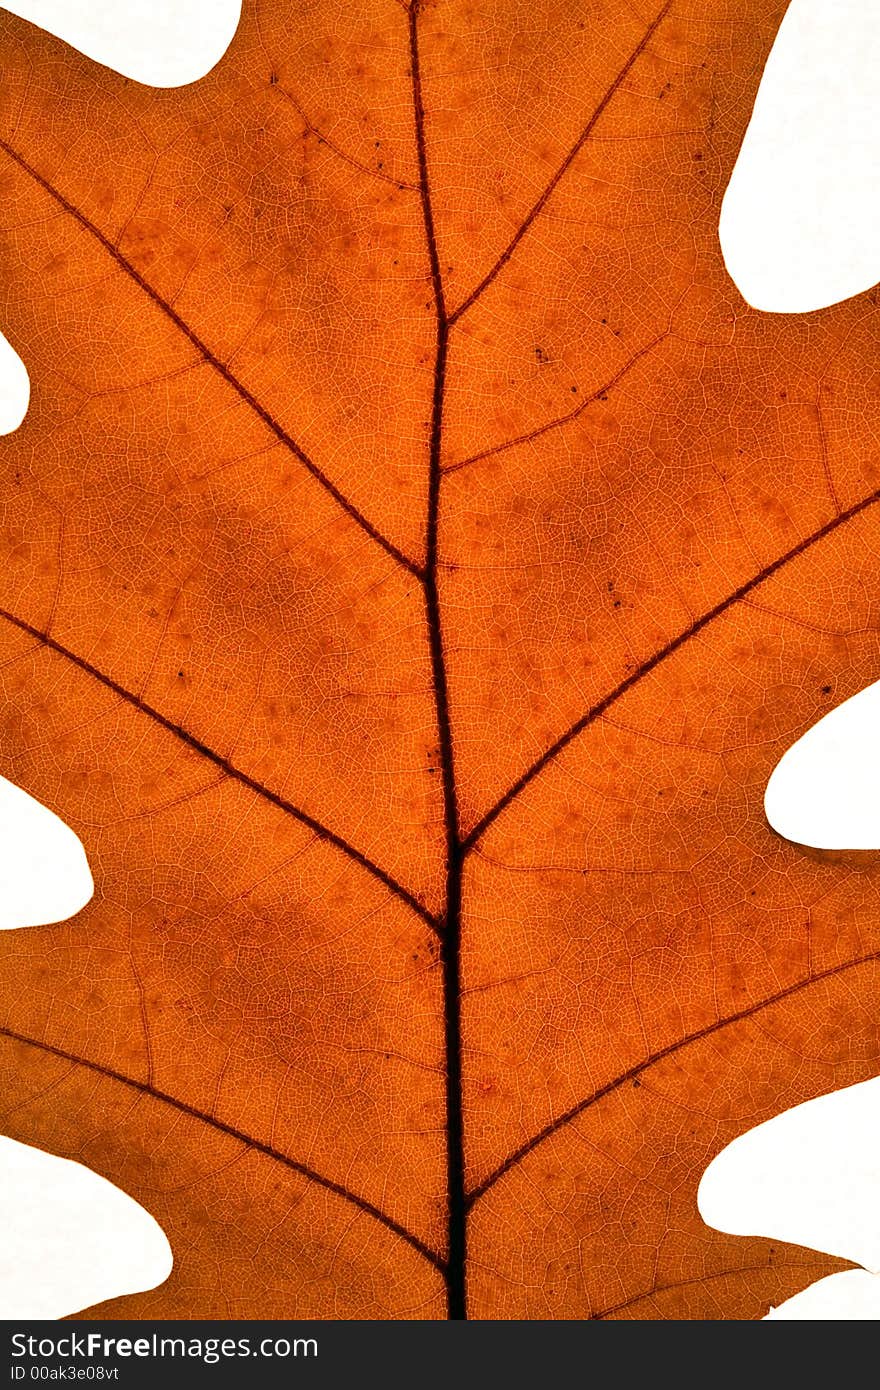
[417,557]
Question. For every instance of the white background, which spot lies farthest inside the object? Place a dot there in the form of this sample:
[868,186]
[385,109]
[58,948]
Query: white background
[798,231]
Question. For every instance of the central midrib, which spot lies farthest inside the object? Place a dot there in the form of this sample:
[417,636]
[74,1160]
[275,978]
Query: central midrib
[457,846]
[450,955]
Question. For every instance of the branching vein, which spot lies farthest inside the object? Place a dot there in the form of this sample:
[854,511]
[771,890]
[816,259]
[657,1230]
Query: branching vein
[257,1145]
[229,769]
[214,361]
[633,1072]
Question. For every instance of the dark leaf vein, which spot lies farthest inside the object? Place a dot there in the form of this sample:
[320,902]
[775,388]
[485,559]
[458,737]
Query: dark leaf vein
[214,361]
[635,1071]
[256,1144]
[229,769]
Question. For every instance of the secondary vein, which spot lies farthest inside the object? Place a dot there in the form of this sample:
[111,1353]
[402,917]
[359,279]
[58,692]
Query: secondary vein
[111,1074]
[235,773]
[214,361]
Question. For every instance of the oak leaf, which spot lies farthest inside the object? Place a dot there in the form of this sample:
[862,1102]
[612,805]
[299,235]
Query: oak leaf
[416,558]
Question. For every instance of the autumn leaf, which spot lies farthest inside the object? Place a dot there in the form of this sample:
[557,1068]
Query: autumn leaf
[417,558]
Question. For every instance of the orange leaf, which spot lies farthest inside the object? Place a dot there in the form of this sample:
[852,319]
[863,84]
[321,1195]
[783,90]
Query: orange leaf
[417,557]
